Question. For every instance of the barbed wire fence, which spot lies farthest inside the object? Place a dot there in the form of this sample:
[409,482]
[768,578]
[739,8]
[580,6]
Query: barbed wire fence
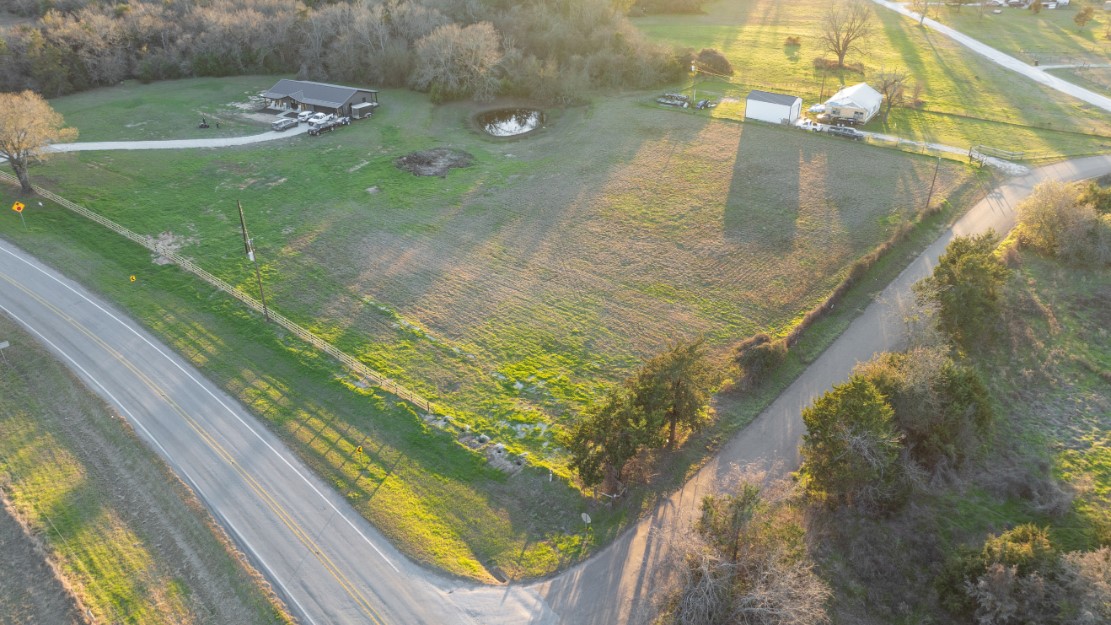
[356,367]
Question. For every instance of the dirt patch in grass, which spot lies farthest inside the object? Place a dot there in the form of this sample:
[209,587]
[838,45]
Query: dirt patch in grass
[29,591]
[434,162]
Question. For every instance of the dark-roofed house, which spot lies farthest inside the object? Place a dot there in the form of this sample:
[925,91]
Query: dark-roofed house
[776,108]
[302,95]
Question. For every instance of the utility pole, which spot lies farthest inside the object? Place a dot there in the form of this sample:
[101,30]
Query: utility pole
[930,195]
[249,248]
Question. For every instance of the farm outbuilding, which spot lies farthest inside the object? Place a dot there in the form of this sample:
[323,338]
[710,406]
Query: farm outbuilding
[776,108]
[858,104]
[302,95]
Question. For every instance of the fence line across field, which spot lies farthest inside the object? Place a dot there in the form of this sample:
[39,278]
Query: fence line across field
[356,367]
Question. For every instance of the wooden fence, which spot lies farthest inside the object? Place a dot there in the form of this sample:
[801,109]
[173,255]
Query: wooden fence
[359,369]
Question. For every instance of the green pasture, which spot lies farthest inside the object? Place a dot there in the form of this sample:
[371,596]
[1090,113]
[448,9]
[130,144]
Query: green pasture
[966,100]
[1049,37]
[510,291]
[514,290]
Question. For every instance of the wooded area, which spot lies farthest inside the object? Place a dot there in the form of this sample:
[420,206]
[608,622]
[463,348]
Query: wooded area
[551,50]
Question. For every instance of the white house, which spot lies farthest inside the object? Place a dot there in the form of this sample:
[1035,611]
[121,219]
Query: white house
[858,103]
[776,108]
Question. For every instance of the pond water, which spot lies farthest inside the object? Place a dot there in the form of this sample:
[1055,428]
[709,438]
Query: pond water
[510,122]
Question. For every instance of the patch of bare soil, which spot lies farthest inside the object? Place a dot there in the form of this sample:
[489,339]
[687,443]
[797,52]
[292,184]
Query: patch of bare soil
[434,162]
[29,591]
[168,243]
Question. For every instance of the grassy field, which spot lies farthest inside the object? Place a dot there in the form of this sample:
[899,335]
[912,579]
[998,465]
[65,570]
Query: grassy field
[129,541]
[966,99]
[1049,37]
[468,286]
[166,110]
[1097,79]
[506,290]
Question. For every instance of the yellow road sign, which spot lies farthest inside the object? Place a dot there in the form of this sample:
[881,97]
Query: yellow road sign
[18,207]
[132,278]
[359,449]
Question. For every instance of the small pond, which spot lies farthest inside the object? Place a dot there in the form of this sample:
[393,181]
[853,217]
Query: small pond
[510,122]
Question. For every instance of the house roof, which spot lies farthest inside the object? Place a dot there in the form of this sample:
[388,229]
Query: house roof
[859,96]
[773,98]
[315,93]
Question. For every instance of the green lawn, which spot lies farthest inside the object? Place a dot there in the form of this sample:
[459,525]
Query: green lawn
[166,110]
[966,100]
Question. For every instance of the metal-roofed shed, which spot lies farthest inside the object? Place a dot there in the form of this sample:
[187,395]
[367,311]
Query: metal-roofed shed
[303,95]
[775,108]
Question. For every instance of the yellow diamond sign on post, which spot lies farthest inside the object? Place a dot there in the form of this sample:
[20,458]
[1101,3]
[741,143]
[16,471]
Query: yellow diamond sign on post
[18,207]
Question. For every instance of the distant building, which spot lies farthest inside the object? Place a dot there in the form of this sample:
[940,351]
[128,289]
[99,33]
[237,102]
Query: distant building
[858,104]
[301,95]
[776,108]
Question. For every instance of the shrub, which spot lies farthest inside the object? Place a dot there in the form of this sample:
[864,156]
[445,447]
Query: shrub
[714,62]
[851,450]
[757,356]
[1058,221]
[746,563]
[966,284]
[942,408]
[792,40]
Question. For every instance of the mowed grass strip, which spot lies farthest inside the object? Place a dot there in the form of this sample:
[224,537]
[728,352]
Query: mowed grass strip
[967,100]
[516,289]
[128,539]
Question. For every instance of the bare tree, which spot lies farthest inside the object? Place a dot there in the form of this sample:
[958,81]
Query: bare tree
[454,61]
[1083,16]
[892,84]
[921,7]
[27,126]
[845,26]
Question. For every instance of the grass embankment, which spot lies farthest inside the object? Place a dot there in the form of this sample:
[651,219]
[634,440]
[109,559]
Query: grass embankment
[967,100]
[127,538]
[673,225]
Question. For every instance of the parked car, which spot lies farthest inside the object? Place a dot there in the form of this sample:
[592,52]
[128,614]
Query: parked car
[844,131]
[304,116]
[705,104]
[319,119]
[809,124]
[283,123]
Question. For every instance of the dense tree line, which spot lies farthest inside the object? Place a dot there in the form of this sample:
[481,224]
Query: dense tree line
[547,49]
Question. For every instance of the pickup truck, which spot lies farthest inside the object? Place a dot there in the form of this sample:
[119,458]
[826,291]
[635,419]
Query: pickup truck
[328,125]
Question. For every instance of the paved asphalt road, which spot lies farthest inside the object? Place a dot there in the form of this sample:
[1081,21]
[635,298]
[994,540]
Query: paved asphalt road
[333,567]
[1034,73]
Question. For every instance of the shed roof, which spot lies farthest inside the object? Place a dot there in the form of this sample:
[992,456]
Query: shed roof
[316,93]
[773,98]
[859,95]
